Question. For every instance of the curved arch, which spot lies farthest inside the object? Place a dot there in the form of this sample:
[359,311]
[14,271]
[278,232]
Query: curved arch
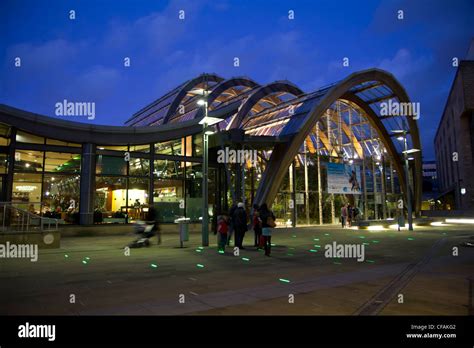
[184,91]
[260,93]
[224,85]
[283,154]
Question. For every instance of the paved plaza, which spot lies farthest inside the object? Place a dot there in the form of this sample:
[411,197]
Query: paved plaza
[168,280]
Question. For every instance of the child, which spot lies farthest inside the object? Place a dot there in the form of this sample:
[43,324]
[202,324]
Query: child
[222,230]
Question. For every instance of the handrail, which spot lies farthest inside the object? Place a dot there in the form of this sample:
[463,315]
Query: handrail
[24,218]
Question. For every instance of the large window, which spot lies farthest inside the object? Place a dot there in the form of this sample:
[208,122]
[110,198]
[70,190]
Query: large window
[111,165]
[26,192]
[110,200]
[62,162]
[23,137]
[4,135]
[28,161]
[194,191]
[172,147]
[137,198]
[61,195]
[168,190]
[3,163]
[139,167]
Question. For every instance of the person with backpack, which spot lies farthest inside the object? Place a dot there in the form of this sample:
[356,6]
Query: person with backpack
[239,219]
[268,224]
[257,225]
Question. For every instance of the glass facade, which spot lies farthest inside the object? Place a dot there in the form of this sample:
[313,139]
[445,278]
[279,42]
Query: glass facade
[127,178]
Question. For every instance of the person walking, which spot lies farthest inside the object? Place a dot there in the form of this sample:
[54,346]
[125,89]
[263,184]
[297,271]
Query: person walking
[239,219]
[349,215]
[268,223]
[344,215]
[231,223]
[256,224]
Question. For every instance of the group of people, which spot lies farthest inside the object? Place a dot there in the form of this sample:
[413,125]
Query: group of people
[237,223]
[348,215]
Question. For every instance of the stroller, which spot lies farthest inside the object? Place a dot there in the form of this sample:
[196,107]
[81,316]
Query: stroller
[145,230]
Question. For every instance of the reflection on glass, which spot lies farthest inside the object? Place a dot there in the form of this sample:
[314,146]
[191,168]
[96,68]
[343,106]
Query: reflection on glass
[28,161]
[61,143]
[172,147]
[23,137]
[139,166]
[62,162]
[111,165]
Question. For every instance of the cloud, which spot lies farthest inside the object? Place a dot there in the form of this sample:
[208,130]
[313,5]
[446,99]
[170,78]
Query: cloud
[403,63]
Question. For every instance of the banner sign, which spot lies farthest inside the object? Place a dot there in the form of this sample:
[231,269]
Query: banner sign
[343,178]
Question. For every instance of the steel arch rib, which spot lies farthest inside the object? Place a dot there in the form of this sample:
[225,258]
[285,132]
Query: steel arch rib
[184,91]
[259,94]
[224,85]
[283,154]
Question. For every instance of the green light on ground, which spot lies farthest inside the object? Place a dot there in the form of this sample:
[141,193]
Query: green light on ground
[370,261]
[66,256]
[198,250]
[326,234]
[292,248]
[200,266]
[221,251]
[375,241]
[361,237]
[317,246]
[313,250]
[87,258]
[289,254]
[284,280]
[201,248]
[366,243]
[317,239]
[84,262]
[154,265]
[294,236]
[337,263]
[410,238]
[245,259]
[274,245]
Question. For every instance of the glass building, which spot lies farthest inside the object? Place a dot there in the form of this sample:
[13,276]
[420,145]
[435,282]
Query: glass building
[305,144]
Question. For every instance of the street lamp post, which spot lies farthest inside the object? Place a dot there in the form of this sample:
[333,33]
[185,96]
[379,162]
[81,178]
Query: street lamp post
[403,138]
[205,174]
[206,122]
[409,208]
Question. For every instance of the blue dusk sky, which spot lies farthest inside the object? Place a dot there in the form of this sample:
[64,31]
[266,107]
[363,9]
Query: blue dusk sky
[82,59]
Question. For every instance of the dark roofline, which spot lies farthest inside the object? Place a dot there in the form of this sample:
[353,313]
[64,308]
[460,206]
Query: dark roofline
[77,132]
